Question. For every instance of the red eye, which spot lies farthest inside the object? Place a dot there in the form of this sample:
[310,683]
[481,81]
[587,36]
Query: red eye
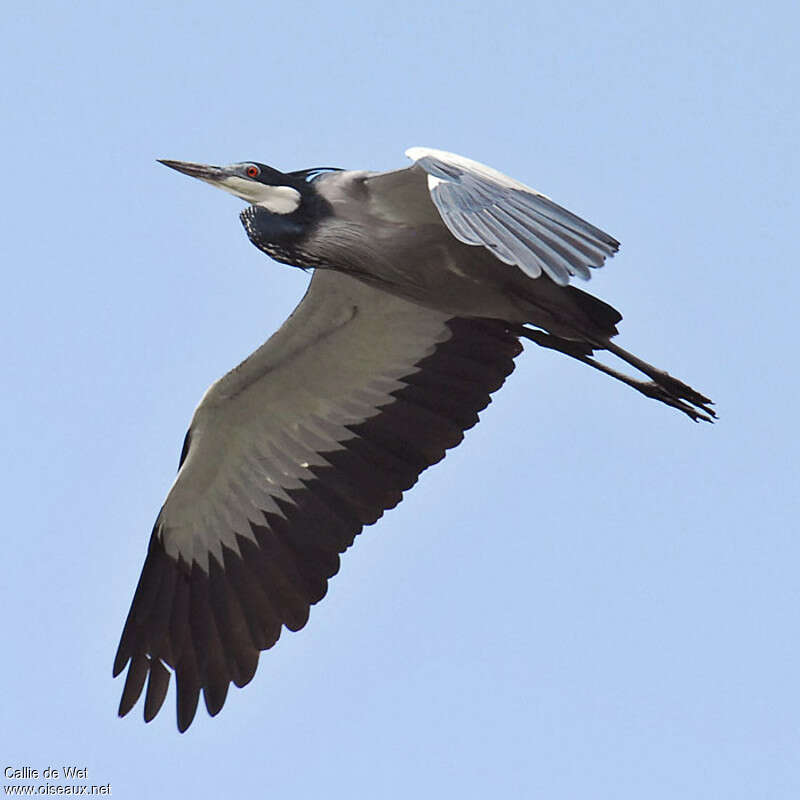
[253,171]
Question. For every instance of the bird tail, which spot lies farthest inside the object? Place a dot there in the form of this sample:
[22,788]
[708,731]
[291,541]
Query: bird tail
[602,316]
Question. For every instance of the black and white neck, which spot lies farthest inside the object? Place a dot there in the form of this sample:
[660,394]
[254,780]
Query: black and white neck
[285,207]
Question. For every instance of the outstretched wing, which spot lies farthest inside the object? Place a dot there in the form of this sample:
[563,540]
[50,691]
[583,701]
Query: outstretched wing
[287,457]
[481,206]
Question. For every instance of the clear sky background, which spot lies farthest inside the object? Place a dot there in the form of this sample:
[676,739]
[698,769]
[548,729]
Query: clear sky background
[591,597]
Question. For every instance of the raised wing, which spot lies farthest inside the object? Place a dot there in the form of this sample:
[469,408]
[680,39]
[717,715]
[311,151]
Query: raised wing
[481,206]
[287,457]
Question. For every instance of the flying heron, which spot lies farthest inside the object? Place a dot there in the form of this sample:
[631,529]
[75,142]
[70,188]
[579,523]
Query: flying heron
[425,280]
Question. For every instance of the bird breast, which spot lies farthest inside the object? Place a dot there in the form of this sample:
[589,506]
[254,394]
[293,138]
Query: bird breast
[423,263]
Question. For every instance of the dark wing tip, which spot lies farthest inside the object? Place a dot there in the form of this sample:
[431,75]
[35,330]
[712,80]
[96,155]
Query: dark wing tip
[134,683]
[157,686]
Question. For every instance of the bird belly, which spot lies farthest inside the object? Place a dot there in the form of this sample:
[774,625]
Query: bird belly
[427,265]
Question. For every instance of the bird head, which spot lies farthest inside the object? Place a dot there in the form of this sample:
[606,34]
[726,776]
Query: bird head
[274,191]
[284,206]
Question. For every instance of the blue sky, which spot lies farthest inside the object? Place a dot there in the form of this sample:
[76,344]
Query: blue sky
[591,596]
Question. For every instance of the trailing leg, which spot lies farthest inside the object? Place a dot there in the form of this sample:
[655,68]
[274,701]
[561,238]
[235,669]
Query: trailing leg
[662,386]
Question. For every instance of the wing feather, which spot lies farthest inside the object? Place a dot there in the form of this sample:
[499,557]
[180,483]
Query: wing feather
[287,458]
[519,225]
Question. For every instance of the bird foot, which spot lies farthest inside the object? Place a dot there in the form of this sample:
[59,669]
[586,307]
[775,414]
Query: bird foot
[675,394]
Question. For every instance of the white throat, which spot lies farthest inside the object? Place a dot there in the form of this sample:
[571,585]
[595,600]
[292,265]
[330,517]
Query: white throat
[276,199]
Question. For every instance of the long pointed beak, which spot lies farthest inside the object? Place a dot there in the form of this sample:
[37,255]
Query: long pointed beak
[204,172]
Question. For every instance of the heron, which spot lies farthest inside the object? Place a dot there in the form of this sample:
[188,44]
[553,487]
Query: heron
[425,281]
